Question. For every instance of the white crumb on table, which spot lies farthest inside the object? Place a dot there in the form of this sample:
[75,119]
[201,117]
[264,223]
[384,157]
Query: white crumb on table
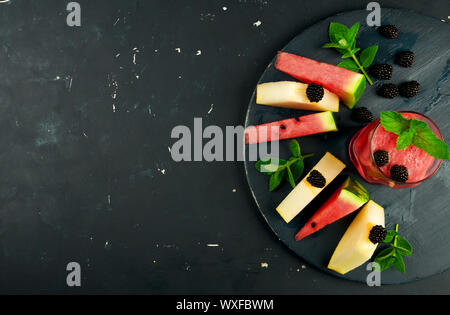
[178,50]
[198,53]
[257,23]
[264,265]
[212,245]
[211,109]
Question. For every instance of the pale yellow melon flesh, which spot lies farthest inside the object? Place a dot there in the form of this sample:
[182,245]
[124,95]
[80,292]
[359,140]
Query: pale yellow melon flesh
[330,167]
[292,94]
[355,248]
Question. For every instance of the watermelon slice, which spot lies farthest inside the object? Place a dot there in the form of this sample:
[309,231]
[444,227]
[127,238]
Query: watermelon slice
[347,199]
[291,128]
[346,84]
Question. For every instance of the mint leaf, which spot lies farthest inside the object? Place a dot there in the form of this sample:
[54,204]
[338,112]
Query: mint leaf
[297,169]
[337,31]
[295,148]
[385,258]
[385,254]
[403,247]
[350,53]
[269,165]
[426,140]
[394,122]
[290,177]
[418,124]
[399,264]
[405,139]
[332,45]
[351,34]
[368,55]
[276,178]
[349,65]
[390,236]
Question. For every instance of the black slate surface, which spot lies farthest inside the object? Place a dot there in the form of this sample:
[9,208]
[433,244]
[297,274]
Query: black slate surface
[81,183]
[421,212]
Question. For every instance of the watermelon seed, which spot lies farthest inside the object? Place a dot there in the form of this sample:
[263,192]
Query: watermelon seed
[283,127]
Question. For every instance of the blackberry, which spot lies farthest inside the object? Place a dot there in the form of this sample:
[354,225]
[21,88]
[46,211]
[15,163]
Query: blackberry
[381,158]
[362,115]
[399,173]
[409,89]
[377,234]
[389,31]
[388,90]
[381,71]
[316,179]
[405,59]
[315,92]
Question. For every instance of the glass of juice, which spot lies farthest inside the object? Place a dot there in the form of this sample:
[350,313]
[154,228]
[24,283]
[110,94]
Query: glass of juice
[374,137]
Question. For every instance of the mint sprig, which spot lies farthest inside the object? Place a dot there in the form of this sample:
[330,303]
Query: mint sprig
[343,39]
[393,255]
[291,170]
[414,132]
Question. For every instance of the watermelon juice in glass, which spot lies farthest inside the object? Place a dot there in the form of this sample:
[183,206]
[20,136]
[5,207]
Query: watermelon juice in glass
[373,150]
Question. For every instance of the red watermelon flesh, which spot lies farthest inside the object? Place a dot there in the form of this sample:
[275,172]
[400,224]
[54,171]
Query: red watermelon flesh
[347,85]
[350,196]
[291,128]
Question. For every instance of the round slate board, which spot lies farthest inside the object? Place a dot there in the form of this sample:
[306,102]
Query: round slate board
[422,212]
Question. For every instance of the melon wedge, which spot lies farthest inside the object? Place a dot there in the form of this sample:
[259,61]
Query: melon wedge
[346,84]
[293,95]
[330,167]
[350,196]
[291,128]
[355,248]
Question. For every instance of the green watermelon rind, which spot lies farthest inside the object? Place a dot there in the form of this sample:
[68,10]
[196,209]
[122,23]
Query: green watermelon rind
[354,192]
[358,91]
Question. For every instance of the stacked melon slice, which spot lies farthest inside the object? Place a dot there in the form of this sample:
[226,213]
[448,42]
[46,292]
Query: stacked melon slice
[348,198]
[338,83]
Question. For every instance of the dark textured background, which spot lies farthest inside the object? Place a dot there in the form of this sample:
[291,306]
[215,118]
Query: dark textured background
[83,182]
